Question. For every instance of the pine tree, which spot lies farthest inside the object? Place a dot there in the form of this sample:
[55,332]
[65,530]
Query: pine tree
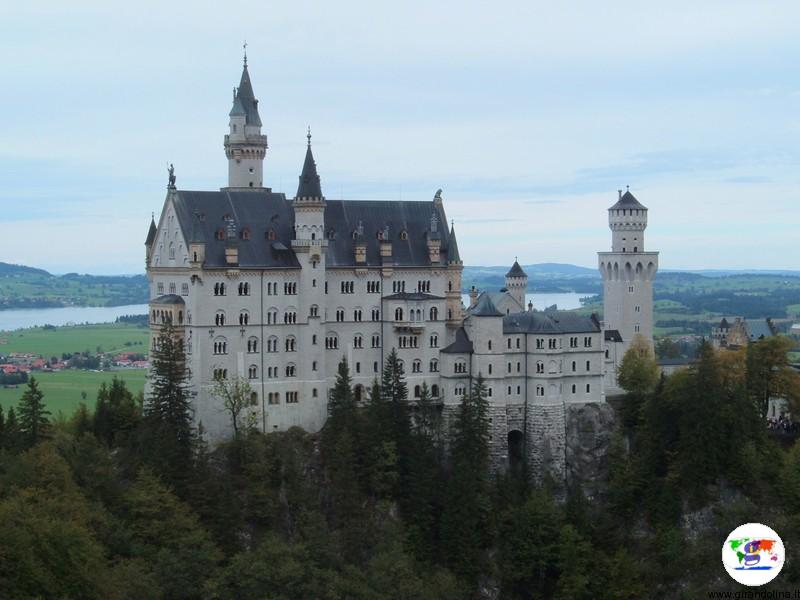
[465,523]
[11,434]
[2,427]
[422,507]
[33,415]
[168,411]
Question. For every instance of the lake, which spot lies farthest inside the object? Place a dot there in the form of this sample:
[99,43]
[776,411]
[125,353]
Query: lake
[18,318]
[564,300]
[72,315]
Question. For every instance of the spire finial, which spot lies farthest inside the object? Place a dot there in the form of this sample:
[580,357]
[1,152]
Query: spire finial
[627,188]
[308,136]
[244,46]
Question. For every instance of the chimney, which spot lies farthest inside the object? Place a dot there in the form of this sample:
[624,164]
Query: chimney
[473,296]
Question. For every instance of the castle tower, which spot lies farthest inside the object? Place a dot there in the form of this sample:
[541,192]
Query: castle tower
[628,272]
[517,284]
[245,147]
[309,245]
[455,267]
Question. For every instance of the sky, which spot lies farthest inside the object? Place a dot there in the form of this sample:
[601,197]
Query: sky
[528,115]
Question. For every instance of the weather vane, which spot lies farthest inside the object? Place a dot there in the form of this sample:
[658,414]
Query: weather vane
[244,45]
[308,135]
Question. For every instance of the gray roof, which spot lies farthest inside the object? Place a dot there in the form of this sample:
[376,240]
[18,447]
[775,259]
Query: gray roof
[612,335]
[485,308]
[516,271]
[151,234]
[413,296]
[309,186]
[760,328]
[724,323]
[345,216]
[247,99]
[452,251]
[550,322]
[461,345]
[628,200]
[168,299]
[261,211]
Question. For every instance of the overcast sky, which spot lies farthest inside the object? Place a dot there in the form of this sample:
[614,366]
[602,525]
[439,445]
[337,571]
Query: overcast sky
[529,115]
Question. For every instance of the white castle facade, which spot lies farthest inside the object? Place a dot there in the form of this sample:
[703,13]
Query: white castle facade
[278,290]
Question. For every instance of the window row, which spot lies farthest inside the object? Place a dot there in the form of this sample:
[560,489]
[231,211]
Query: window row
[172,289]
[434,391]
[416,366]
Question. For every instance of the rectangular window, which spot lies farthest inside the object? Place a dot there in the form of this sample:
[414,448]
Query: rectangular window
[160,289]
[184,289]
[291,398]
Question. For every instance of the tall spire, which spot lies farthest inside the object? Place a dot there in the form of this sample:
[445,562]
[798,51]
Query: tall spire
[247,98]
[309,186]
[452,250]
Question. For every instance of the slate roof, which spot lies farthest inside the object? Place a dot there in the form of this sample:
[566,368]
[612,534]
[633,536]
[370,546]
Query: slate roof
[485,308]
[516,271]
[553,322]
[612,335]
[247,99]
[262,210]
[453,255]
[413,217]
[759,328]
[258,211]
[151,234]
[724,323]
[309,186]
[413,296]
[168,299]
[461,345]
[628,200]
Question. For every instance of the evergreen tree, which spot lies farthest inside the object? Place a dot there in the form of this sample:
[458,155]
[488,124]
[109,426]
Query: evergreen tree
[422,506]
[11,434]
[169,435]
[2,427]
[33,415]
[465,522]
[395,396]
[638,375]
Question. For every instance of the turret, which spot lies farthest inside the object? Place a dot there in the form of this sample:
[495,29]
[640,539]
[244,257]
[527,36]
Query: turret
[245,147]
[517,284]
[309,203]
[627,220]
[149,241]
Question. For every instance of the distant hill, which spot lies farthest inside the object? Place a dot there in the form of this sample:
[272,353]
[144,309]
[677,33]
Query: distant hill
[28,287]
[9,270]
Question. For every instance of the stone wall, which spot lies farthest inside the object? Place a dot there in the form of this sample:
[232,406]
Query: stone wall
[589,429]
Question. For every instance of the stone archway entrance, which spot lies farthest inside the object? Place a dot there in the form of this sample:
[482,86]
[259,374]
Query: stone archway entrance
[516,450]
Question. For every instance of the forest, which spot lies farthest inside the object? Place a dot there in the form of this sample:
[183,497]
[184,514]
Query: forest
[128,501]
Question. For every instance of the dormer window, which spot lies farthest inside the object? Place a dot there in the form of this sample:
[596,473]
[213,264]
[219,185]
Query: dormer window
[226,217]
[331,234]
[379,235]
[404,235]
[245,233]
[220,234]
[270,235]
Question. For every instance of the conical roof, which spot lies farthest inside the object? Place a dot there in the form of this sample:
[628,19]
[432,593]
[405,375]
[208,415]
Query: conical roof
[309,186]
[151,234]
[516,271]
[245,95]
[452,250]
[628,200]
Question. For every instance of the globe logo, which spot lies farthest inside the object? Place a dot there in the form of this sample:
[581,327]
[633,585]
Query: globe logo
[753,554]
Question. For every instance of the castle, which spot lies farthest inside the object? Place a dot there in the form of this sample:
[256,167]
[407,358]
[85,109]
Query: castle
[278,290]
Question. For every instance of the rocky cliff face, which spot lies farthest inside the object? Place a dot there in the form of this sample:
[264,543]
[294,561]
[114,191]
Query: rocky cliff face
[589,429]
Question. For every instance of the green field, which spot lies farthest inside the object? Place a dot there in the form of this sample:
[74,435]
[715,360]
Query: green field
[64,390]
[56,341]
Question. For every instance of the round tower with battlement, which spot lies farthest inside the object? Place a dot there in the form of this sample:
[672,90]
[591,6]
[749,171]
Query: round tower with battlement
[628,272]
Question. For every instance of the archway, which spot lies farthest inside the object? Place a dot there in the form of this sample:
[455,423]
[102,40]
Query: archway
[516,451]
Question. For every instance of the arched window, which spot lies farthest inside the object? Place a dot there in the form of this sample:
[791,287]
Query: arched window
[252,372]
[435,391]
[291,370]
[220,345]
[244,318]
[272,344]
[417,391]
[434,366]
[252,345]
[398,314]
[574,388]
[434,341]
[291,344]
[314,310]
[416,366]
[270,234]
[331,234]
[219,318]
